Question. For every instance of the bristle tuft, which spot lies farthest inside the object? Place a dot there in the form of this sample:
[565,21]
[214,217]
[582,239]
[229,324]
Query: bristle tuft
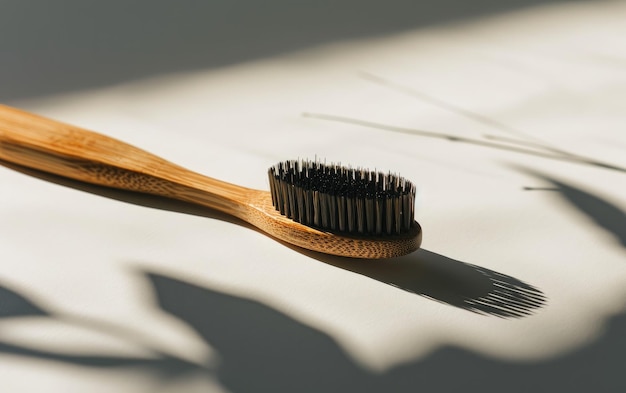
[340,199]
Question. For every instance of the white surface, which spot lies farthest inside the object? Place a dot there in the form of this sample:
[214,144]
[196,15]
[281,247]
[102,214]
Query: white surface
[553,76]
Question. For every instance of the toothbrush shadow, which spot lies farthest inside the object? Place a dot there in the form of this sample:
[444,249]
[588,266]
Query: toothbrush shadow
[437,277]
[446,280]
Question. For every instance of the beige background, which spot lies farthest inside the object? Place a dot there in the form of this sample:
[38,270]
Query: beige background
[510,124]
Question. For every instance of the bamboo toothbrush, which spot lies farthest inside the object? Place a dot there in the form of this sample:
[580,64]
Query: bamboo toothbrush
[324,208]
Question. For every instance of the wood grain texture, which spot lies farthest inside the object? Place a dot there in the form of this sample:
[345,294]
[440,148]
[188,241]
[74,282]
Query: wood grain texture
[50,146]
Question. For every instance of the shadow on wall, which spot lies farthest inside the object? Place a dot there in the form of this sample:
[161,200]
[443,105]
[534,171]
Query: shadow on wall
[264,350]
[50,47]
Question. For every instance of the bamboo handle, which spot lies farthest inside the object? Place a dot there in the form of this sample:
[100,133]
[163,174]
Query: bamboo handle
[54,147]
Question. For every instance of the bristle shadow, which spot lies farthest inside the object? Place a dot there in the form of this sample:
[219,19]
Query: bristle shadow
[459,284]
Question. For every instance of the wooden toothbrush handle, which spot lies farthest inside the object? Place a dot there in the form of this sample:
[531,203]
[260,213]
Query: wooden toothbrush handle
[47,145]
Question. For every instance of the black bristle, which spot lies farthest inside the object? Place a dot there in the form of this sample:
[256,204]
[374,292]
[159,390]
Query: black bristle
[340,199]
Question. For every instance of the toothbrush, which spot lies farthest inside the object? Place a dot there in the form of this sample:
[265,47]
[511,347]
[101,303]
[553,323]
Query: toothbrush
[324,208]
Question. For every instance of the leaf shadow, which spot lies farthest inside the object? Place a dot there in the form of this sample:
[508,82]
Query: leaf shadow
[15,305]
[602,213]
[262,349]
